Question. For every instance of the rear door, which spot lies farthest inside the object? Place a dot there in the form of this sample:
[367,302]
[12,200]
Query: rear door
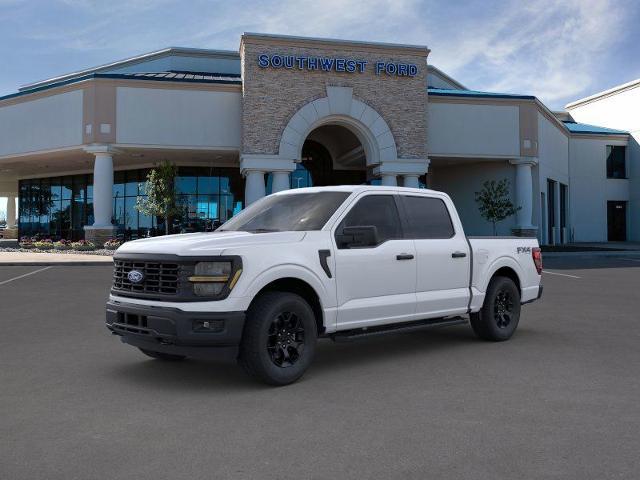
[376,284]
[443,256]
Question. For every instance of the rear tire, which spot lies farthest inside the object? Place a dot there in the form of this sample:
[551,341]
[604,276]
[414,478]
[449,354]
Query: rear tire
[279,338]
[500,313]
[167,357]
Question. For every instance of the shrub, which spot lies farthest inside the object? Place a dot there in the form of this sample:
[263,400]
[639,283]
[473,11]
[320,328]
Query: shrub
[83,245]
[62,245]
[26,242]
[46,244]
[112,244]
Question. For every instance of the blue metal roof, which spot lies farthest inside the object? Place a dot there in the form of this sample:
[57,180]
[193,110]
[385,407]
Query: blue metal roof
[188,77]
[575,127]
[444,92]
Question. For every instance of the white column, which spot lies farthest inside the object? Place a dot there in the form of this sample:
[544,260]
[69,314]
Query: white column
[524,192]
[280,181]
[389,180]
[11,212]
[411,181]
[254,186]
[103,190]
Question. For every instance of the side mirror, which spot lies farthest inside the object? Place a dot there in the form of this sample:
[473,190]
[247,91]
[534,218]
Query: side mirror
[358,236]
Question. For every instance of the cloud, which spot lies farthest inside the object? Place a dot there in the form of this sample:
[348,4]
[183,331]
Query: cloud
[547,48]
[557,50]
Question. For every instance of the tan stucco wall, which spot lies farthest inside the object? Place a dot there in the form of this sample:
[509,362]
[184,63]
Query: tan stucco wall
[271,96]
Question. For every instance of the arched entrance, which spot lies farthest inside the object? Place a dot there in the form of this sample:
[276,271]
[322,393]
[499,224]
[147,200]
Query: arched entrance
[332,155]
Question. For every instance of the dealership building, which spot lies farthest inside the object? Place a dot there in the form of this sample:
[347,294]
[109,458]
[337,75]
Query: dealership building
[287,112]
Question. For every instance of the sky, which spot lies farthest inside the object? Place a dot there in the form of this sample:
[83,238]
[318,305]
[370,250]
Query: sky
[557,50]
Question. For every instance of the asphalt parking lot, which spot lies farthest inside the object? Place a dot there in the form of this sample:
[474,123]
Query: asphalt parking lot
[560,400]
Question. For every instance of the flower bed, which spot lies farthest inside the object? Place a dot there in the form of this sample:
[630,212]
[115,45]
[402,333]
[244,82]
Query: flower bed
[83,246]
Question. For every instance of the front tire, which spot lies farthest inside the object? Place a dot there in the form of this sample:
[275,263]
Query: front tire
[500,313]
[279,338]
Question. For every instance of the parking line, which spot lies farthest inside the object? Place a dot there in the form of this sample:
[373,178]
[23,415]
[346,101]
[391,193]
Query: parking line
[25,275]
[561,274]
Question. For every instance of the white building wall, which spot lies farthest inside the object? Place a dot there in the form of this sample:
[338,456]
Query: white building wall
[463,180]
[590,189]
[189,118]
[620,111]
[42,124]
[467,130]
[553,163]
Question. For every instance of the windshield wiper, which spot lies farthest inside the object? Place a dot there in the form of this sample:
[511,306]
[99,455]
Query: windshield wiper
[263,230]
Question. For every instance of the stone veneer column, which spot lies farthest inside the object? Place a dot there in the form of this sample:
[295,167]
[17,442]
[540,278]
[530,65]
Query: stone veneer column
[524,196]
[102,228]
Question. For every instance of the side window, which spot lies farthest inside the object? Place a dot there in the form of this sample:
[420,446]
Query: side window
[378,211]
[427,218]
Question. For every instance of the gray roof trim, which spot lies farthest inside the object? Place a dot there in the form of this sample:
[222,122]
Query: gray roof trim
[448,78]
[133,61]
[224,80]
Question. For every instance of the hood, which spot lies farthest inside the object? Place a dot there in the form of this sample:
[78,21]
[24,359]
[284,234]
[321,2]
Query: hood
[210,243]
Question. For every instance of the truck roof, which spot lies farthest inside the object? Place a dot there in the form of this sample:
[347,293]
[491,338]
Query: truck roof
[355,188]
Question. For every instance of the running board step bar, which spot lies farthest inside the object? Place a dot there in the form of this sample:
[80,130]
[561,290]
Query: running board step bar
[349,335]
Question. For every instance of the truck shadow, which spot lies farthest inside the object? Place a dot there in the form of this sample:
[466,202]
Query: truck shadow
[331,357]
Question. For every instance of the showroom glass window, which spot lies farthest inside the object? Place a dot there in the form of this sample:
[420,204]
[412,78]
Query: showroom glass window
[616,161]
[60,207]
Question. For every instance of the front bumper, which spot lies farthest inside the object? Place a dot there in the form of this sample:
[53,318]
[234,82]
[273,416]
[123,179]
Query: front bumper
[209,335]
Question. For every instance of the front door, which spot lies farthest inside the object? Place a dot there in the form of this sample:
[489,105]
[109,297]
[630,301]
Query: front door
[376,282]
[617,221]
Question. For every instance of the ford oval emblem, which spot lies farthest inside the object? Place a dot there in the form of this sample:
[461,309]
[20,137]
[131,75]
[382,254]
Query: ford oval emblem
[135,276]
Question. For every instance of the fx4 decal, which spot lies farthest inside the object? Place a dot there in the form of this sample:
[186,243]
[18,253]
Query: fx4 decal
[524,249]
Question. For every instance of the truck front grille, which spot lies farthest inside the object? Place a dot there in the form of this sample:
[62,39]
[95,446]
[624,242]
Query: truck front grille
[158,278]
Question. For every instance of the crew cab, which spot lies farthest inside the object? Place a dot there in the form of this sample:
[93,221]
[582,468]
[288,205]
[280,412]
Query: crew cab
[340,262]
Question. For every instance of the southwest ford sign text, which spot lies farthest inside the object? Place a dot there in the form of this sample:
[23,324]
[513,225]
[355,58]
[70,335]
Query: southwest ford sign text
[332,64]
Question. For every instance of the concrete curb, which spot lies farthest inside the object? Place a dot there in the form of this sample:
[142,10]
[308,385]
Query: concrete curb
[54,264]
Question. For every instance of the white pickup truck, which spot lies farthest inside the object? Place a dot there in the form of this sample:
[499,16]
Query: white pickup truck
[339,262]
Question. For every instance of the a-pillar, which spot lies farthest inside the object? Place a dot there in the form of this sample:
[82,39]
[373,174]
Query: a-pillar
[254,166]
[102,228]
[524,196]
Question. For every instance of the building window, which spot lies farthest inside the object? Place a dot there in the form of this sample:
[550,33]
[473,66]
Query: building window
[616,161]
[60,207]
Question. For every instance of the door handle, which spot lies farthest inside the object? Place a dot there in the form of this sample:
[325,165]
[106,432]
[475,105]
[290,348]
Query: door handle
[404,256]
[458,255]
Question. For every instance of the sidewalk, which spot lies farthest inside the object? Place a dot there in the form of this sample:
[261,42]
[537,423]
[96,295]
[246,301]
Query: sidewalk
[34,259]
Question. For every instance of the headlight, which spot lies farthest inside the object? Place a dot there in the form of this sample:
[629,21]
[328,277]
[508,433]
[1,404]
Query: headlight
[211,277]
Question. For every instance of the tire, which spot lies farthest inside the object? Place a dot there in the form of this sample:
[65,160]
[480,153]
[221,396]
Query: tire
[500,313]
[279,338]
[162,356]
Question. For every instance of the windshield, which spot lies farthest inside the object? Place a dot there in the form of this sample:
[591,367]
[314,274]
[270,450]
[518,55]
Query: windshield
[279,213]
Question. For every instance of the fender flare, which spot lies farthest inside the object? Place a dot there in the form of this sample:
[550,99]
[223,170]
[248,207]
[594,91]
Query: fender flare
[499,263]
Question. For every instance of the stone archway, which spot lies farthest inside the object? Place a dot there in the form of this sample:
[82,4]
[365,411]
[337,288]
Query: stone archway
[340,108]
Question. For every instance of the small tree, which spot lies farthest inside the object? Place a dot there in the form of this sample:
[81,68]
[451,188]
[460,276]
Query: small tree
[494,202]
[161,197]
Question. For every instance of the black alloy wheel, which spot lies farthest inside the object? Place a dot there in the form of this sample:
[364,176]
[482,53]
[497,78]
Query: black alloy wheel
[498,318]
[503,308]
[285,342]
[279,338]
